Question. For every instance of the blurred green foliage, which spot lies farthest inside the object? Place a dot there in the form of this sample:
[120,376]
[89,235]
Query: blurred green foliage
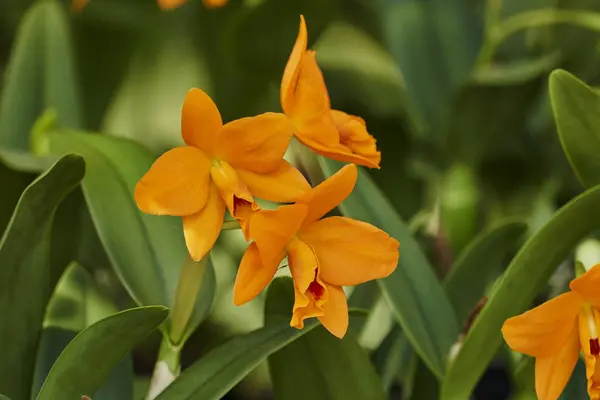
[479,152]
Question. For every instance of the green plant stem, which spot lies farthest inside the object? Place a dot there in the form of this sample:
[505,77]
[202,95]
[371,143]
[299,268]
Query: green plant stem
[190,281]
[170,354]
[230,225]
[530,19]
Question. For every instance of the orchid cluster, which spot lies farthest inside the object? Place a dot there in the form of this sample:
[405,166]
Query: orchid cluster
[226,166]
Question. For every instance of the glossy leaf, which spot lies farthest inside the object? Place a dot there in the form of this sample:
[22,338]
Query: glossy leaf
[40,75]
[147,252]
[527,273]
[211,377]
[89,358]
[329,366]
[577,113]
[472,270]
[29,270]
[395,360]
[413,291]
[118,385]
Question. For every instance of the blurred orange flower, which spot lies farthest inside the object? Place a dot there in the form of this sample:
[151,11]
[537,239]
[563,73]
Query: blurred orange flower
[323,254]
[305,100]
[78,5]
[221,166]
[556,331]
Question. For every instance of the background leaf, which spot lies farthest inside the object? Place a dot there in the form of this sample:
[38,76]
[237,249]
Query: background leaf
[29,270]
[41,74]
[103,345]
[577,113]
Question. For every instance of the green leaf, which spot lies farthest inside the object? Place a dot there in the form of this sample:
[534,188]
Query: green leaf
[395,360]
[146,251]
[413,291]
[529,270]
[211,377]
[577,114]
[41,74]
[365,297]
[329,366]
[472,270]
[3,397]
[118,386]
[30,266]
[89,358]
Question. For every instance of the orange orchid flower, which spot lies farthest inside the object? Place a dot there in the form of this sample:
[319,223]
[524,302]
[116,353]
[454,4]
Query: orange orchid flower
[78,5]
[323,254]
[555,333]
[305,100]
[221,166]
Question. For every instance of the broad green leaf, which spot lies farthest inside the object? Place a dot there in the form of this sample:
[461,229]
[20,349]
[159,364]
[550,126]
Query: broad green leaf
[527,273]
[30,265]
[89,358]
[3,397]
[329,367]
[577,114]
[472,270]
[147,252]
[41,74]
[13,184]
[211,377]
[118,385]
[413,291]
[365,297]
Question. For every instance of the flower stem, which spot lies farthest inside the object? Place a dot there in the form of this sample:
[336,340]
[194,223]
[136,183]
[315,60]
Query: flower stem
[231,224]
[167,368]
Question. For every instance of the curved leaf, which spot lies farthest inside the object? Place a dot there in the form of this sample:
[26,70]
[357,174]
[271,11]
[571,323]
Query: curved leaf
[30,266]
[211,377]
[41,74]
[88,359]
[413,291]
[329,366]
[471,271]
[148,252]
[118,386]
[525,276]
[577,113]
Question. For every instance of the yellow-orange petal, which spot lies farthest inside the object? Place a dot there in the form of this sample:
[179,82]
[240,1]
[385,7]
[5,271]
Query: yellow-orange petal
[290,74]
[592,364]
[354,135]
[214,3]
[170,4]
[542,331]
[253,276]
[311,293]
[588,286]
[335,152]
[79,5]
[177,183]
[335,317]
[351,252]
[200,121]
[235,193]
[285,185]
[255,144]
[271,230]
[330,193]
[201,230]
[552,372]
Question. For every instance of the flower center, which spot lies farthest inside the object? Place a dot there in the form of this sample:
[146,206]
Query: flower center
[591,320]
[316,290]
